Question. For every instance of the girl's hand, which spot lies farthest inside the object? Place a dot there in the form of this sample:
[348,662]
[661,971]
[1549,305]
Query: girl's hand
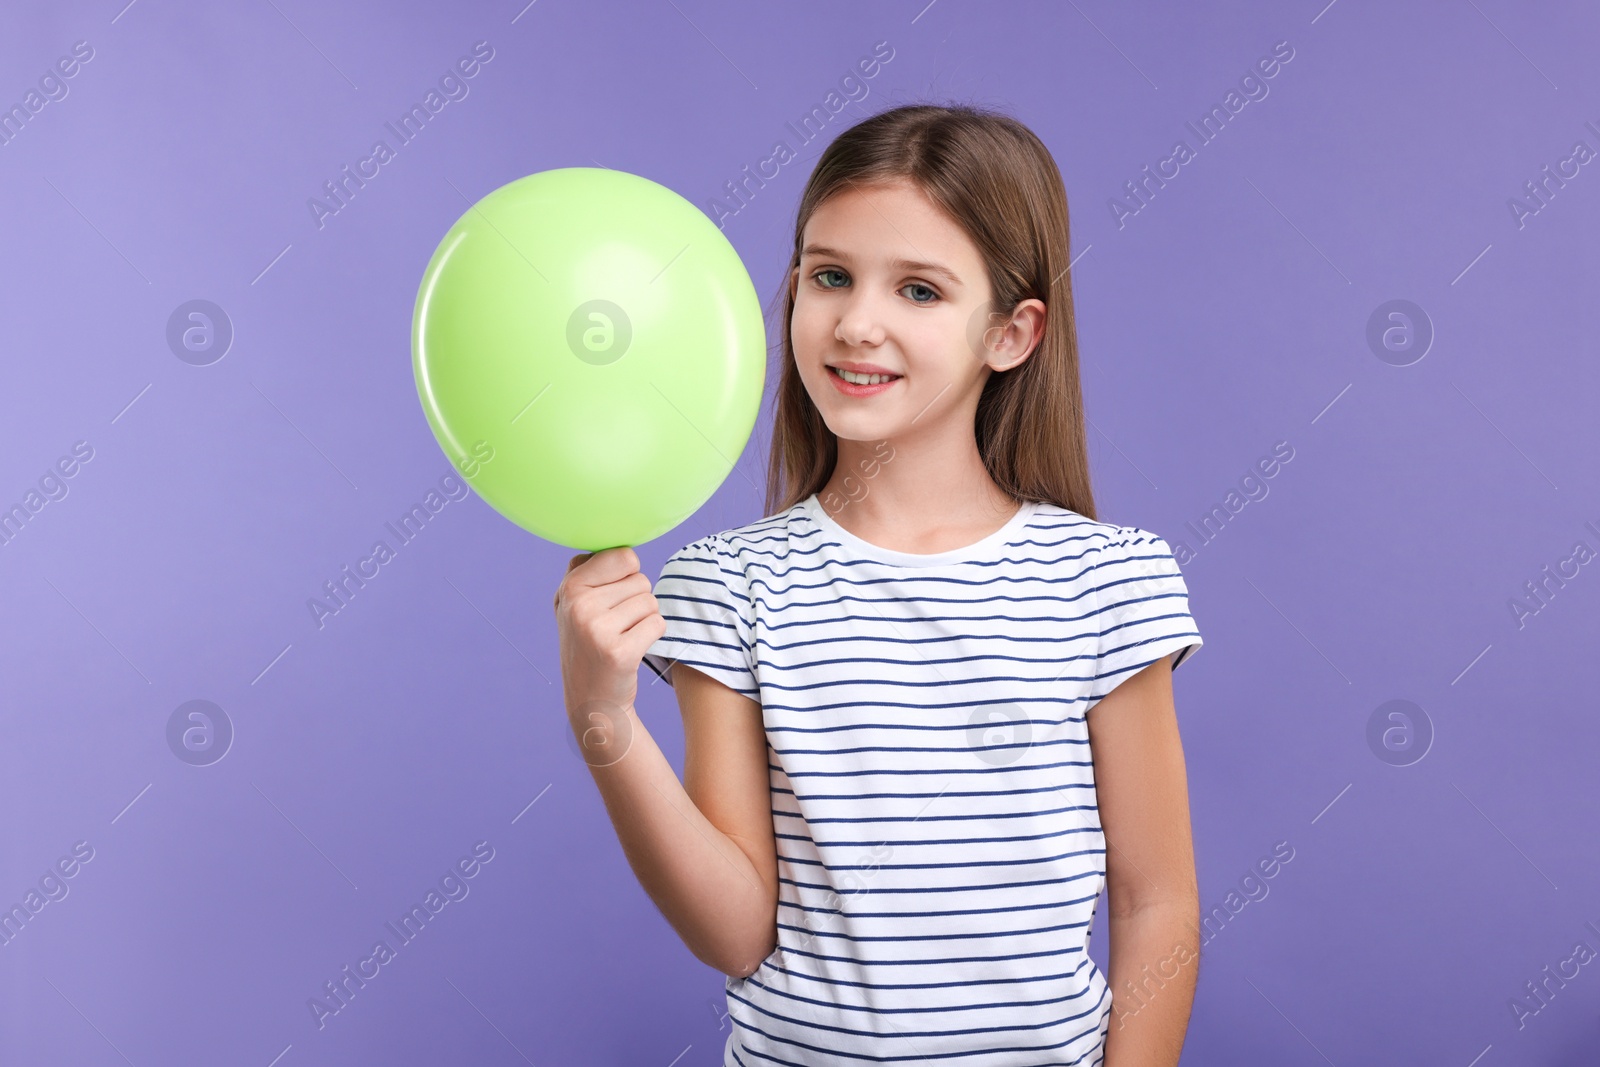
[606,619]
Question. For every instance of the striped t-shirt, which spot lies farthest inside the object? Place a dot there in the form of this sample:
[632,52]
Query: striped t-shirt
[939,847]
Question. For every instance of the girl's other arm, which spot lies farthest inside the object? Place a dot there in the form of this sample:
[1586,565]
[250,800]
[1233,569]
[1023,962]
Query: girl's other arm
[1152,897]
[704,849]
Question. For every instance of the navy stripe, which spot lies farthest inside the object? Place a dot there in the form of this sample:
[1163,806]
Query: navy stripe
[812,820]
[919,796]
[921,913]
[856,939]
[1019,862]
[986,887]
[926,770]
[917,1008]
[919,748]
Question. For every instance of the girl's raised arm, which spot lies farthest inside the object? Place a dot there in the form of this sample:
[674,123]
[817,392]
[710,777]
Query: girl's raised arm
[705,854]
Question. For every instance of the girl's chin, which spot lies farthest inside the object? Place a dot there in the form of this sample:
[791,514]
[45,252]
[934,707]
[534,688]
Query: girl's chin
[861,428]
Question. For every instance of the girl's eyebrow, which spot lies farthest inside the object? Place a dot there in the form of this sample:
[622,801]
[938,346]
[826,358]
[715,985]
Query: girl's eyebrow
[899,264]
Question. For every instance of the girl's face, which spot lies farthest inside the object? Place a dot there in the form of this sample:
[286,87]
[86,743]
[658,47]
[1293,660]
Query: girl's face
[889,284]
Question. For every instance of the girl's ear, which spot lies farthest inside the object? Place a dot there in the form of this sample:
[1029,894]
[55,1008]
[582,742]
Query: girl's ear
[1019,338]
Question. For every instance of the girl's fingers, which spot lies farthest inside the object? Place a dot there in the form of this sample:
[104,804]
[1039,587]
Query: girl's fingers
[630,611]
[616,573]
[555,601]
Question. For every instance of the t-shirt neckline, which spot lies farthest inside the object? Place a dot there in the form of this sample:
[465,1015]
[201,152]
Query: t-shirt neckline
[977,550]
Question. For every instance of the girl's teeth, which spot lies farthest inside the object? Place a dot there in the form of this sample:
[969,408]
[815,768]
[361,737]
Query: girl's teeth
[863,379]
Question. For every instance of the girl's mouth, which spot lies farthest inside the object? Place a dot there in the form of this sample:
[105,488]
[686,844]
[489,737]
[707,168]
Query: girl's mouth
[852,389]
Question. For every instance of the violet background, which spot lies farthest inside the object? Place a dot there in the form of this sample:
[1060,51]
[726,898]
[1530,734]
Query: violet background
[1227,315]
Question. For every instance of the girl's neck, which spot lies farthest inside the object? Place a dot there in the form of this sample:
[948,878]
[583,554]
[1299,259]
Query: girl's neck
[928,515]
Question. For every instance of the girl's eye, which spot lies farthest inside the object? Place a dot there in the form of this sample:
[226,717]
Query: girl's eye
[932,295]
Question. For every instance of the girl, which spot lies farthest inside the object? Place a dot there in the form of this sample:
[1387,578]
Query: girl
[927,701]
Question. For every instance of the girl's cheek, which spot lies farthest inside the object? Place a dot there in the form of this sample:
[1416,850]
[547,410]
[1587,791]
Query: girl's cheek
[808,335]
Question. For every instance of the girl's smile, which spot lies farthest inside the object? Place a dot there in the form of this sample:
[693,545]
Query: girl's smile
[863,384]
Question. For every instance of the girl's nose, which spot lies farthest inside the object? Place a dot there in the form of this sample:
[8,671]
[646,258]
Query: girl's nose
[860,324]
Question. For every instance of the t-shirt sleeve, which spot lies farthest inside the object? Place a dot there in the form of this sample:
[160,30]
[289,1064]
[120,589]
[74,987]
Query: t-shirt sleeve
[705,600]
[1142,609]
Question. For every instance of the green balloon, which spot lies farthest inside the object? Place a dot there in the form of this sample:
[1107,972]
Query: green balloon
[590,353]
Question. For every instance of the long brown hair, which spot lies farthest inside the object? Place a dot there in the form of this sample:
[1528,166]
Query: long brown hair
[994,177]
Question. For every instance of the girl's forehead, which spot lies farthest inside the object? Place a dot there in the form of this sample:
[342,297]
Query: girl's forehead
[901,200]
[892,227]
